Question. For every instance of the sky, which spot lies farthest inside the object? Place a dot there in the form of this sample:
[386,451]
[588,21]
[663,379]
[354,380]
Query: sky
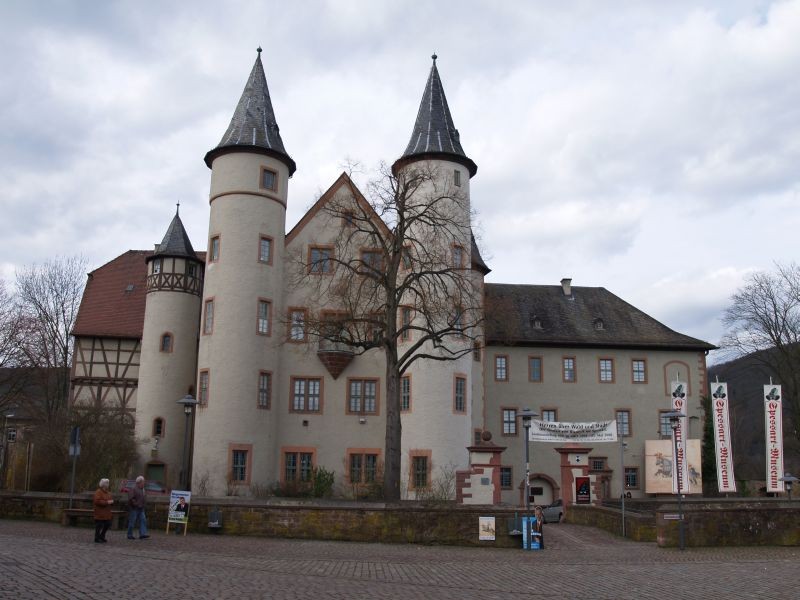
[651,148]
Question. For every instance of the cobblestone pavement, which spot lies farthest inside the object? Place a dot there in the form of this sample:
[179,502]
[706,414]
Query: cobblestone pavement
[45,560]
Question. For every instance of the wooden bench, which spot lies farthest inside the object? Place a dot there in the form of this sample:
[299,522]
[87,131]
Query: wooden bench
[70,516]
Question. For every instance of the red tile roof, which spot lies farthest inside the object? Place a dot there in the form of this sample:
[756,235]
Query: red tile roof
[110,306]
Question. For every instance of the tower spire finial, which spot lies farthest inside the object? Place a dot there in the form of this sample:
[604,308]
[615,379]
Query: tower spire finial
[258,49]
[434,57]
[178,209]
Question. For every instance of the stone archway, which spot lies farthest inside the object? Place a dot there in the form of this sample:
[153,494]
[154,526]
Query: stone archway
[544,490]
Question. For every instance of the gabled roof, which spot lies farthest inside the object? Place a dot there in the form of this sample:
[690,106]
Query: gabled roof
[330,193]
[176,241]
[253,127]
[542,315]
[114,298]
[435,135]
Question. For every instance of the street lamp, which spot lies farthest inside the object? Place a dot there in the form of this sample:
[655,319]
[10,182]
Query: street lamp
[675,417]
[789,480]
[622,446]
[4,470]
[527,414]
[189,403]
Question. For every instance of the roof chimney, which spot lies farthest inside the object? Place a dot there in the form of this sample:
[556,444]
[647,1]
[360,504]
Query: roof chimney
[566,285]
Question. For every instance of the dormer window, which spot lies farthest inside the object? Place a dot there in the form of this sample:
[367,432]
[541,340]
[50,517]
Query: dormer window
[157,266]
[599,325]
[536,322]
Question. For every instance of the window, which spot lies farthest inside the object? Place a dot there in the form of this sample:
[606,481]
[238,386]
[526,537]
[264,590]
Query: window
[297,324]
[320,260]
[631,477]
[239,466]
[569,369]
[348,218]
[265,249]
[156,266]
[202,388]
[158,427]
[624,422]
[166,343]
[11,435]
[535,369]
[208,319]
[405,393]
[269,179]
[639,368]
[405,256]
[306,394]
[457,178]
[405,323]
[476,351]
[213,250]
[477,437]
[550,414]
[419,472]
[664,424]
[460,395]
[599,325]
[264,389]
[362,397]
[501,368]
[264,313]
[606,369]
[509,421]
[506,478]
[299,466]
[372,262]
[597,463]
[363,468]
[191,269]
[458,257]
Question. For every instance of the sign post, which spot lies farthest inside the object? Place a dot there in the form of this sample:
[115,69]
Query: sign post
[74,452]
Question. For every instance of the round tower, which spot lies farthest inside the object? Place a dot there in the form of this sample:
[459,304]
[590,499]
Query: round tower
[239,354]
[439,426]
[169,353]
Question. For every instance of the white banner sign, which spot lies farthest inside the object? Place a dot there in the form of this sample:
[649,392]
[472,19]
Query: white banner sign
[679,439]
[557,431]
[722,437]
[773,407]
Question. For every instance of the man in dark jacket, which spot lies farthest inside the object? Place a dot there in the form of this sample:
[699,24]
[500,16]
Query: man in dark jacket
[136,504]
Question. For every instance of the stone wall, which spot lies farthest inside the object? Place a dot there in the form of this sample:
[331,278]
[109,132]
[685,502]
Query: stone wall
[640,527]
[365,522]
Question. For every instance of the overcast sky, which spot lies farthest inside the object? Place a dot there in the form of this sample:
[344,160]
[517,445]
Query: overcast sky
[652,148]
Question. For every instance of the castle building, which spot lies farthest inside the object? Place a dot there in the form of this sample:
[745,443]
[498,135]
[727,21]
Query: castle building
[230,326]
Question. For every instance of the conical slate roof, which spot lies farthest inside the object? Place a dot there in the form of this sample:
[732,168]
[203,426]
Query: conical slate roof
[176,241]
[253,127]
[435,135]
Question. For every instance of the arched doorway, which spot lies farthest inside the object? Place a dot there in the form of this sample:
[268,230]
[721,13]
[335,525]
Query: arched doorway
[544,490]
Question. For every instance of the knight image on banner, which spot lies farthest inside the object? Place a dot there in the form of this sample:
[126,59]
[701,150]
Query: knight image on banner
[679,438]
[722,437]
[773,407]
[658,467]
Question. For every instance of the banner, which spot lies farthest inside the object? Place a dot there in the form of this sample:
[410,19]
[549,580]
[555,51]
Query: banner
[556,431]
[722,437]
[179,507]
[679,439]
[773,407]
[658,466]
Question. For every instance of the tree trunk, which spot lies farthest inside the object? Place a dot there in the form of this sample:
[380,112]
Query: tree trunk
[391,469]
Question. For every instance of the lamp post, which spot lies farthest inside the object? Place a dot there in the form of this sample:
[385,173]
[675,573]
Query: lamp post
[189,403]
[527,414]
[789,480]
[622,446]
[674,421]
[4,470]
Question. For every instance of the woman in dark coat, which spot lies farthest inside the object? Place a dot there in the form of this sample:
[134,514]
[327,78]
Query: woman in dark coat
[102,511]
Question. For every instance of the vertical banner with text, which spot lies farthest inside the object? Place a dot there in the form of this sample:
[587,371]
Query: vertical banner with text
[679,439]
[722,437]
[773,407]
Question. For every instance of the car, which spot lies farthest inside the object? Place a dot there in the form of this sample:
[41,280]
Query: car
[152,488]
[554,512]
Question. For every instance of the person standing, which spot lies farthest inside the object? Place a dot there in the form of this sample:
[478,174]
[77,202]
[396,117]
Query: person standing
[102,511]
[136,507]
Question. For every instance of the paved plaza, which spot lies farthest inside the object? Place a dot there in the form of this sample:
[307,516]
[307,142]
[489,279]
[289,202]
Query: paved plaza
[45,560]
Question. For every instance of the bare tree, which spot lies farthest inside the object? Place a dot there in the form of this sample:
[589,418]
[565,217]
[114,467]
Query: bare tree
[763,321]
[48,298]
[397,278]
[11,377]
